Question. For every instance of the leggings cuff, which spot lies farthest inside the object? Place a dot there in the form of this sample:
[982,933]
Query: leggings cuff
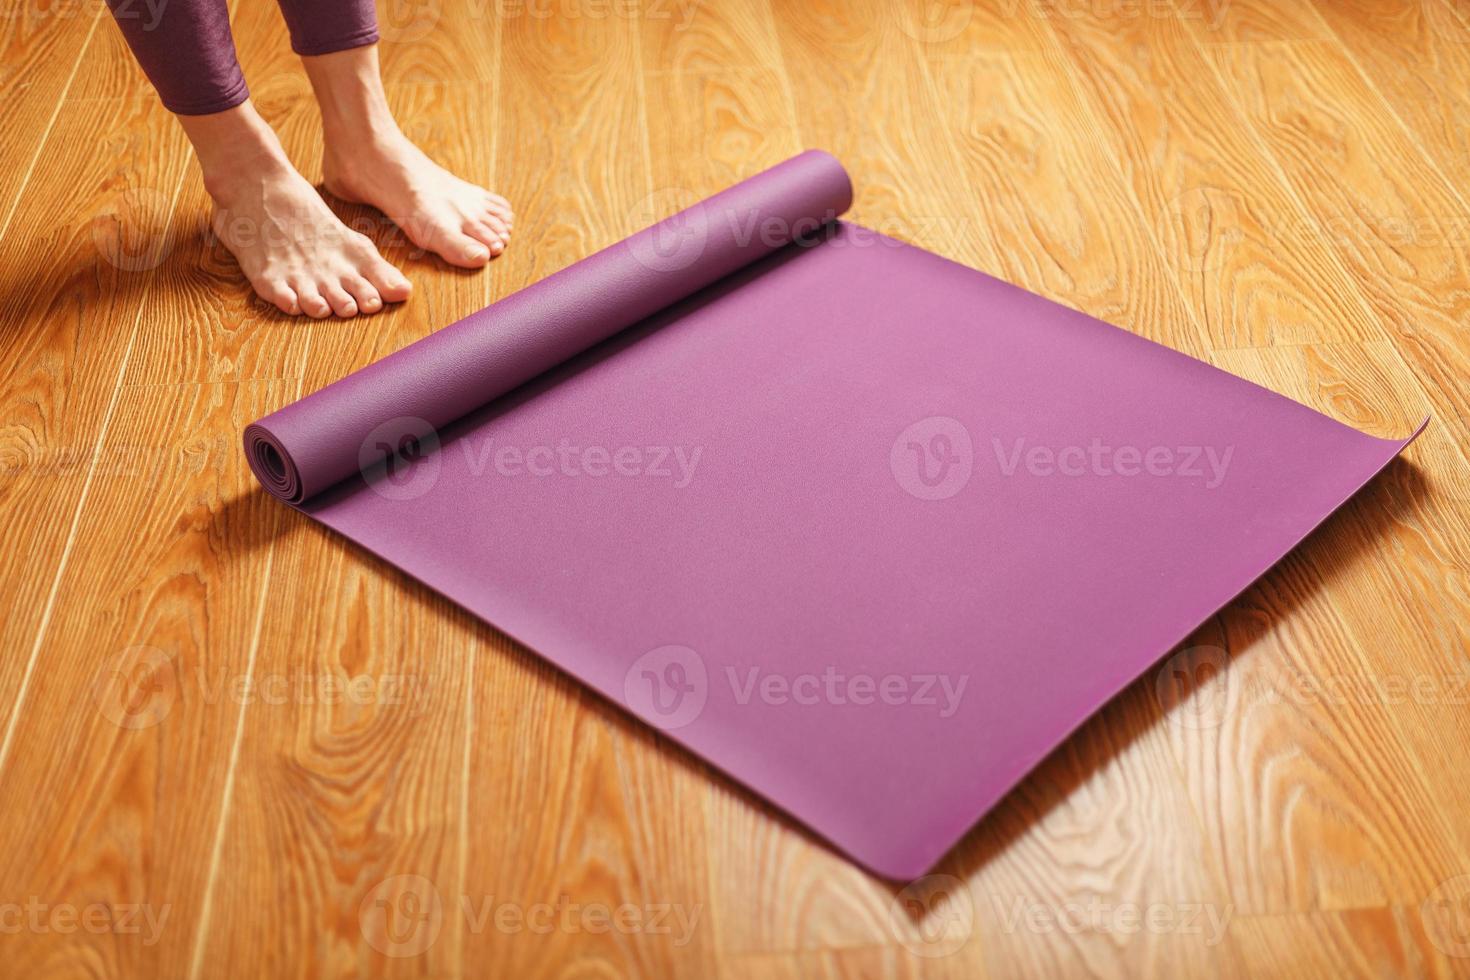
[237,93]
[360,39]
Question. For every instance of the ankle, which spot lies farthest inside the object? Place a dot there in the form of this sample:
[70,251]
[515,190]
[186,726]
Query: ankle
[354,107]
[234,146]
[349,147]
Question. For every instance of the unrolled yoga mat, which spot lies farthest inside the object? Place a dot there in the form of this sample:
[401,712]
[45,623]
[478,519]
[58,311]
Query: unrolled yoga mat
[868,530]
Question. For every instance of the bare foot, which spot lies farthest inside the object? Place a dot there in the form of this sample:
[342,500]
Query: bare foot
[366,159]
[463,224]
[296,253]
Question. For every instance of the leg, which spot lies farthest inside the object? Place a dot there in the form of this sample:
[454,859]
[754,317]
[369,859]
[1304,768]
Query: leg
[296,253]
[186,50]
[290,245]
[367,159]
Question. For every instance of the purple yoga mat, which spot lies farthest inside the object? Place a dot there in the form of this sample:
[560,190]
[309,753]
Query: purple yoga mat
[868,530]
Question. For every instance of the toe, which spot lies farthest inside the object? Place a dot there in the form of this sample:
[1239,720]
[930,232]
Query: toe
[500,209]
[457,248]
[364,292]
[391,284]
[311,300]
[500,226]
[279,295]
[382,276]
[481,232]
[339,299]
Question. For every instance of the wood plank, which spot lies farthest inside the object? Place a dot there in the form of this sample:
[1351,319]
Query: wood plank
[1416,57]
[1307,802]
[65,333]
[1025,136]
[140,690]
[1352,943]
[438,42]
[865,963]
[1375,201]
[348,782]
[965,28]
[41,50]
[1229,226]
[1417,54]
[1100,833]
[850,67]
[692,38]
[1247,22]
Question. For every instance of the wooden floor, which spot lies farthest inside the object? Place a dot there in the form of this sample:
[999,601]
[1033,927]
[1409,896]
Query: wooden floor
[232,744]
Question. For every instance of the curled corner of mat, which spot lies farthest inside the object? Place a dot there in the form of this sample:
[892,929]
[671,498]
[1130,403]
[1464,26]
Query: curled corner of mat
[272,464]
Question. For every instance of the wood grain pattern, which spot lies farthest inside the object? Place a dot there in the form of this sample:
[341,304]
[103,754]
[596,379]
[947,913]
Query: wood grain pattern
[252,750]
[1214,194]
[41,49]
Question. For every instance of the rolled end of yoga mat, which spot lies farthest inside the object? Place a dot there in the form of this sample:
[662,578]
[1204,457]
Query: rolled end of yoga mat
[357,422]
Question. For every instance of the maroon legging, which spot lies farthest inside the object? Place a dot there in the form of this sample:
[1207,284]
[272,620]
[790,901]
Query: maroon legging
[187,52]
